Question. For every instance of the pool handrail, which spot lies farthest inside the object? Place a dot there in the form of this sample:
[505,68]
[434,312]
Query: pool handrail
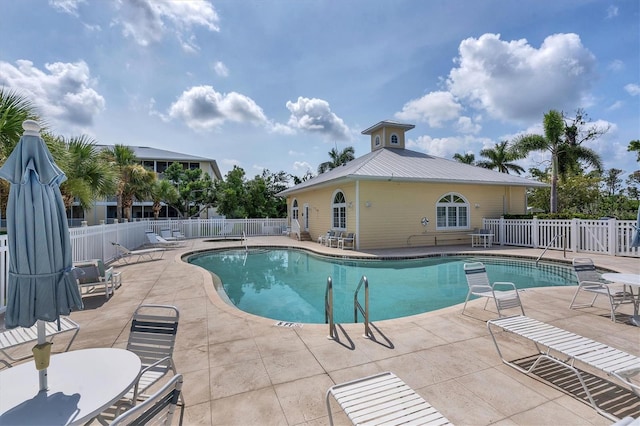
[328,309]
[564,247]
[358,307]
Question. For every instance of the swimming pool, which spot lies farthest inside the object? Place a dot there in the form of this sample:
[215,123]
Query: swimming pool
[289,284]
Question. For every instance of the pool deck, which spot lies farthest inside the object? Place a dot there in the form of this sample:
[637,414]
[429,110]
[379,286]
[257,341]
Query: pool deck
[240,369]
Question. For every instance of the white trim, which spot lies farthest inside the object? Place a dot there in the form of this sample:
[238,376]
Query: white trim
[338,205]
[391,139]
[456,205]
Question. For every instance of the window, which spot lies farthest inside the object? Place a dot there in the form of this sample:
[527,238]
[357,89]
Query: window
[339,208]
[377,140]
[294,210]
[452,212]
[394,139]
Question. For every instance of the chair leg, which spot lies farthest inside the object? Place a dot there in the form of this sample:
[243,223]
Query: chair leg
[465,302]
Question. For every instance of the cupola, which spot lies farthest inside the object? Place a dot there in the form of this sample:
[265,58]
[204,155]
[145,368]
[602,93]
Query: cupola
[387,134]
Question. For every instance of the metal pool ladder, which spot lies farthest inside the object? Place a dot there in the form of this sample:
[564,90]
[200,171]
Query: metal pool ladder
[358,307]
[328,309]
[564,248]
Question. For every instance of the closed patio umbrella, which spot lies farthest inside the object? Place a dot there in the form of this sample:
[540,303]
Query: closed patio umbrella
[635,241]
[41,286]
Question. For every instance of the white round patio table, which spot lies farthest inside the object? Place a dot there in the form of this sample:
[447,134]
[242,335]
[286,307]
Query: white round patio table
[81,384]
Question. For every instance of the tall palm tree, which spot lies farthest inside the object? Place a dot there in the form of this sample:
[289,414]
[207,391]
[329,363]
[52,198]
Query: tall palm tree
[500,158]
[133,180]
[89,176]
[467,158]
[565,150]
[337,159]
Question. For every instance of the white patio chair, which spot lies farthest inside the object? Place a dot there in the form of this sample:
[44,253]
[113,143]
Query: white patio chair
[152,338]
[589,280]
[478,282]
[158,409]
[92,276]
[167,235]
[347,242]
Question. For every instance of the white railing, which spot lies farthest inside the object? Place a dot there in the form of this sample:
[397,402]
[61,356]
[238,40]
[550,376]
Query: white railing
[609,237]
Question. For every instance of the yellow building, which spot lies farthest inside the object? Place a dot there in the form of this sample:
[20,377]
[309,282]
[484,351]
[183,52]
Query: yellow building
[395,197]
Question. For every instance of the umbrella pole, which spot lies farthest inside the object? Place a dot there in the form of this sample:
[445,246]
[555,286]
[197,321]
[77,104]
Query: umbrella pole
[42,338]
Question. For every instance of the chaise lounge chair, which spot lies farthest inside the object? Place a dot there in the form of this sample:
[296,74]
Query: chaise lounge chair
[156,240]
[565,349]
[149,254]
[589,280]
[478,282]
[383,399]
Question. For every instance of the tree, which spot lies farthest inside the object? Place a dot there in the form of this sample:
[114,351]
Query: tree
[633,185]
[195,189]
[635,146]
[298,180]
[231,194]
[133,180]
[612,181]
[89,176]
[162,191]
[500,158]
[337,159]
[563,143]
[467,158]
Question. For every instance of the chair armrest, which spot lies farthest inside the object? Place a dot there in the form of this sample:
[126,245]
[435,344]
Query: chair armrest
[504,283]
[108,273]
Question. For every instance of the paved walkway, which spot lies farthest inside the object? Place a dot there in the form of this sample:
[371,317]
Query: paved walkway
[241,369]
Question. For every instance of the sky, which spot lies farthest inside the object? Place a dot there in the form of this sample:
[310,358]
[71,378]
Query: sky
[276,84]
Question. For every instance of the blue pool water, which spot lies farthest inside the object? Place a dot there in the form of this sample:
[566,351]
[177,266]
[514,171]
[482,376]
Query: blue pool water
[289,284]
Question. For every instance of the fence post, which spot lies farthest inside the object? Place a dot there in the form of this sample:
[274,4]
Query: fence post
[612,248]
[575,234]
[501,227]
[535,233]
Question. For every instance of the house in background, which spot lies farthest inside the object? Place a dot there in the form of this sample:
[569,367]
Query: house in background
[394,197]
[157,160]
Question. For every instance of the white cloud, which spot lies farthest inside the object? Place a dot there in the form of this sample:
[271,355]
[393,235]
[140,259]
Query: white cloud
[302,165]
[616,105]
[221,69]
[434,108]
[295,153]
[612,12]
[315,116]
[64,93]
[281,129]
[202,108]
[616,65]
[466,125]
[515,81]
[632,89]
[446,147]
[147,21]
[66,6]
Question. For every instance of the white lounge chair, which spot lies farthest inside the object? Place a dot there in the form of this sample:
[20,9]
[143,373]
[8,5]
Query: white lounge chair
[92,276]
[566,349]
[143,254]
[478,282]
[332,241]
[589,280]
[178,235]
[14,337]
[158,409]
[156,240]
[383,399]
[167,235]
[152,337]
[322,239]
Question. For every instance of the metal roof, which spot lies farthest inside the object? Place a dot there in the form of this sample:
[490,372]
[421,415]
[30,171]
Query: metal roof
[406,165]
[387,123]
[149,153]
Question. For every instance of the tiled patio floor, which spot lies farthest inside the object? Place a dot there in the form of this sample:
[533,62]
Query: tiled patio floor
[242,370]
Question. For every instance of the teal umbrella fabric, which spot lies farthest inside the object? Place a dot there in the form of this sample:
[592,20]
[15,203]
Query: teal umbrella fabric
[41,284]
[635,241]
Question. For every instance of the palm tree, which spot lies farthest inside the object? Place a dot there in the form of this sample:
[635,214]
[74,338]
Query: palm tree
[561,141]
[162,191]
[467,158]
[337,159]
[133,180]
[89,176]
[14,109]
[500,158]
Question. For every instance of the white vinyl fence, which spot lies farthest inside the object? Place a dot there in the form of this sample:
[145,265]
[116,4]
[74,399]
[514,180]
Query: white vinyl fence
[609,237]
